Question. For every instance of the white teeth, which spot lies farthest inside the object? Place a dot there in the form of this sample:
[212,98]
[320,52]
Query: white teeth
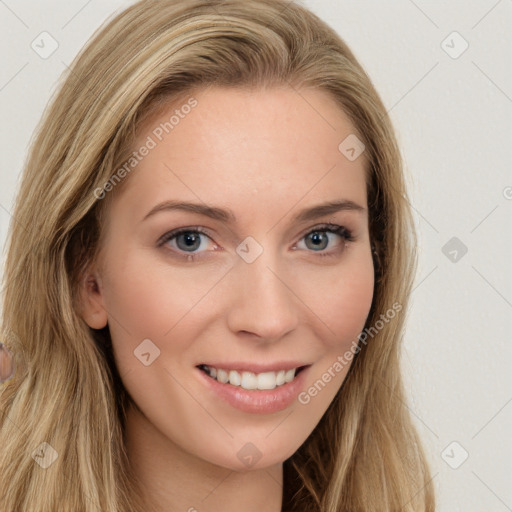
[289,375]
[222,376]
[267,380]
[234,378]
[250,380]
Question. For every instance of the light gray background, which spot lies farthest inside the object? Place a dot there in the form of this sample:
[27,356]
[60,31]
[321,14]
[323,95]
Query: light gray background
[452,113]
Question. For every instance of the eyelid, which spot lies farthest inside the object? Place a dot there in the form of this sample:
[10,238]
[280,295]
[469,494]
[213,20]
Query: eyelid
[174,232]
[329,226]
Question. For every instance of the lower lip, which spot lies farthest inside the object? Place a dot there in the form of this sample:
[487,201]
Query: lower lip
[257,400]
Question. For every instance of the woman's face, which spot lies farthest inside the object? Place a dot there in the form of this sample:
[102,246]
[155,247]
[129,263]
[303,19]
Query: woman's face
[264,287]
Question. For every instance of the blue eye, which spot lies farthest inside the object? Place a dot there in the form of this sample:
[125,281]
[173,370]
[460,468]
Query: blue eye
[187,241]
[191,240]
[319,237]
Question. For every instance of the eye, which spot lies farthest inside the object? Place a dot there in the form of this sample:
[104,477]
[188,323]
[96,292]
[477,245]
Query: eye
[187,240]
[318,239]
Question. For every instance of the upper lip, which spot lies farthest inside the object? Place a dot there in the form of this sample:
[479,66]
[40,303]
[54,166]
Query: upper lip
[256,367]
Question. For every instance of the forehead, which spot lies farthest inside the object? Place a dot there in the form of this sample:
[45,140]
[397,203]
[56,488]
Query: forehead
[262,150]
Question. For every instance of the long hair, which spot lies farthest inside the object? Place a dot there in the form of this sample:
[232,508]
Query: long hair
[364,454]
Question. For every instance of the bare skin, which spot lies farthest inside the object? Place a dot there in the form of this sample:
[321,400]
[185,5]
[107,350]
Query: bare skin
[6,364]
[266,155]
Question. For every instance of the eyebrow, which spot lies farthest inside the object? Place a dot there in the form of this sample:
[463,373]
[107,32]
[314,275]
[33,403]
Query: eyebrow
[227,215]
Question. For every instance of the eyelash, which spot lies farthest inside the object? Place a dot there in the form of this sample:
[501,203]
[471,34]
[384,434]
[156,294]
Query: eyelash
[342,231]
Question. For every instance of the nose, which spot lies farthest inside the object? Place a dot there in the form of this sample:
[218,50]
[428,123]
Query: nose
[263,303]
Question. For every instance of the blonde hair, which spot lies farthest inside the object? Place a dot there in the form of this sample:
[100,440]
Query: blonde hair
[364,454]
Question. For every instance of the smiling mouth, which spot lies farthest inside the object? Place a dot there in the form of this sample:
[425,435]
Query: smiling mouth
[250,380]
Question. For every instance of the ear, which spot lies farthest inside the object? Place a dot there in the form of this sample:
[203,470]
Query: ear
[92,307]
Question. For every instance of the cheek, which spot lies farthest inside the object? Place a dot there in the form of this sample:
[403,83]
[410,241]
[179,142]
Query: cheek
[146,295]
[340,300]
[352,302]
[146,300]
[341,310]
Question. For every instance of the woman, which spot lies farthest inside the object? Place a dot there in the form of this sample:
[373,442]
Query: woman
[258,370]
